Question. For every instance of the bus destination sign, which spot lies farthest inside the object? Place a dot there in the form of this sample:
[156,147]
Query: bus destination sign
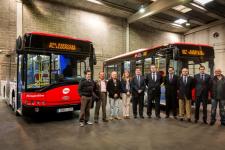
[62,46]
[192,52]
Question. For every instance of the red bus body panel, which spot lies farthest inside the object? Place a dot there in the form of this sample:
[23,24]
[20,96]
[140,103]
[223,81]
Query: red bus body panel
[63,95]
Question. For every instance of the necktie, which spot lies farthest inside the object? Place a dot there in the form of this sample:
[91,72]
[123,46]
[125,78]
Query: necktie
[138,77]
[203,77]
[185,80]
[171,78]
[153,76]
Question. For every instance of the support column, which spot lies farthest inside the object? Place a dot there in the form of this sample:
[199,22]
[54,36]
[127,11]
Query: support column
[19,18]
[127,37]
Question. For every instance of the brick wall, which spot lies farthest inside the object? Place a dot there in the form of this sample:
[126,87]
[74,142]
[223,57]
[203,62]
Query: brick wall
[107,33]
[7,36]
[206,37]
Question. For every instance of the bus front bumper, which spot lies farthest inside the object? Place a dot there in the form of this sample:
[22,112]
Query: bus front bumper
[30,110]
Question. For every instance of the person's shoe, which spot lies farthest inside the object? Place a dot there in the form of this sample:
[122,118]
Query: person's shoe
[118,118]
[189,120]
[175,117]
[196,121]
[105,120]
[181,119]
[167,116]
[111,118]
[205,122]
[212,123]
[222,124]
[128,117]
[158,117]
[89,123]
[124,117]
[81,124]
[142,117]
[135,117]
[96,121]
[149,117]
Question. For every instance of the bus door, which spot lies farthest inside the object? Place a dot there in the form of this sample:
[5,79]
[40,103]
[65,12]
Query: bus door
[160,63]
[20,80]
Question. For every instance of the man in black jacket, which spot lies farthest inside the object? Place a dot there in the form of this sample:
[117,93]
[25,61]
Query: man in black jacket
[86,88]
[202,87]
[218,96]
[138,89]
[185,86]
[114,89]
[154,81]
[171,92]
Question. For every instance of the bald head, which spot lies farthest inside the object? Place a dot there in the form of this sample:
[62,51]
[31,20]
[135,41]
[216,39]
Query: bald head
[218,72]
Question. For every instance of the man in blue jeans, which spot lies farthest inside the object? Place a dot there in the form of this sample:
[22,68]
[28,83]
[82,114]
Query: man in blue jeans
[218,96]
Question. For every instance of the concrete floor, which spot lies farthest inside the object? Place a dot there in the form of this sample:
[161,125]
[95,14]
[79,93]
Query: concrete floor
[63,132]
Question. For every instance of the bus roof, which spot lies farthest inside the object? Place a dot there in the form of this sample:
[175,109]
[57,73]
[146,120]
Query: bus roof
[57,35]
[157,47]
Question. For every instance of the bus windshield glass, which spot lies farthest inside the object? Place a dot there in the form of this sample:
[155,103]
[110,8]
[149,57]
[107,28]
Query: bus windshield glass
[44,70]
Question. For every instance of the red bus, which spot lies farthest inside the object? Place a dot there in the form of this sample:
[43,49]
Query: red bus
[49,68]
[178,55]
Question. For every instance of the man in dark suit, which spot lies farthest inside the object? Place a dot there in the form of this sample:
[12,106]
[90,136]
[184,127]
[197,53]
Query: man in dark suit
[202,87]
[185,86]
[154,81]
[138,89]
[171,92]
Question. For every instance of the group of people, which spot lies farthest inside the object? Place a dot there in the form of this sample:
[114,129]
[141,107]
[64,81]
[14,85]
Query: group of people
[132,89]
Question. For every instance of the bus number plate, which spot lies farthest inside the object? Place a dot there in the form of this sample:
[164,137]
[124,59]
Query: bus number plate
[60,110]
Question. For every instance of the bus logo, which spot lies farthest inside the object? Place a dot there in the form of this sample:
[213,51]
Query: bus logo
[66,90]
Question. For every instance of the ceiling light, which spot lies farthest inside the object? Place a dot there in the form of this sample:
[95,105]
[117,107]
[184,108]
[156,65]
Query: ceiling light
[176,25]
[198,6]
[142,9]
[95,1]
[180,21]
[187,24]
[182,8]
[202,2]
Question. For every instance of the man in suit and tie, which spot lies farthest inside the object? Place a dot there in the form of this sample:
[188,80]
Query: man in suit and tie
[202,87]
[138,89]
[185,86]
[170,83]
[154,81]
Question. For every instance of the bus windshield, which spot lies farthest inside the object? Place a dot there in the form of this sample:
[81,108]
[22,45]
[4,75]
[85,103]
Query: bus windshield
[44,70]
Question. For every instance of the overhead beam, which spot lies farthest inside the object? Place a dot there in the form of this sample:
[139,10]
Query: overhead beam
[183,16]
[197,29]
[208,13]
[156,7]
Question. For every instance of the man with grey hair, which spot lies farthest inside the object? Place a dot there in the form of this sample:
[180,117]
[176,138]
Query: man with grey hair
[218,96]
[114,89]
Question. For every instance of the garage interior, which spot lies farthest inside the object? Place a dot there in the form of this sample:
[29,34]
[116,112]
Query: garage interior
[115,27]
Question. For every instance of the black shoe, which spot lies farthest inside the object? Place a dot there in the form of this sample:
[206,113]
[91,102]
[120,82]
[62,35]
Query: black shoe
[96,121]
[135,117]
[181,119]
[167,116]
[149,117]
[196,121]
[222,124]
[105,120]
[212,123]
[158,117]
[142,117]
[175,117]
[189,120]
[205,122]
